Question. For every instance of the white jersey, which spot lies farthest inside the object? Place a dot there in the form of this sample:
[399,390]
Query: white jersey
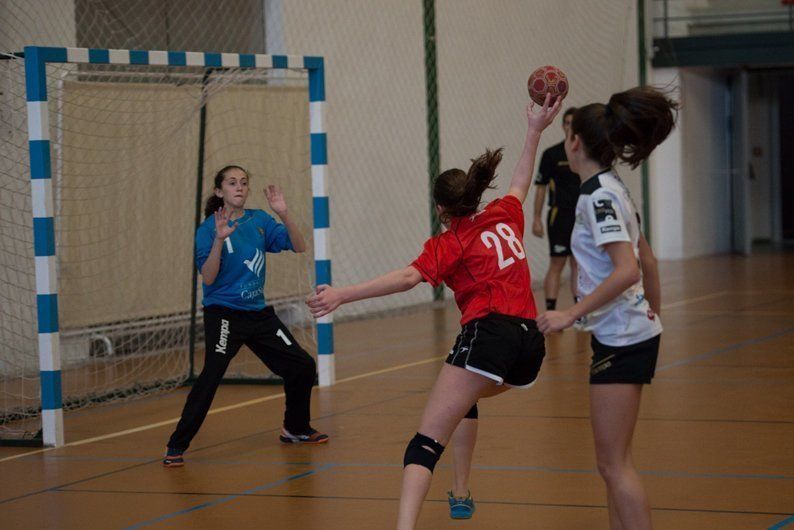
[605,214]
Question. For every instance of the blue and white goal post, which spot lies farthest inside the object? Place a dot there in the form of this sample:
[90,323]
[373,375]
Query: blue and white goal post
[36,60]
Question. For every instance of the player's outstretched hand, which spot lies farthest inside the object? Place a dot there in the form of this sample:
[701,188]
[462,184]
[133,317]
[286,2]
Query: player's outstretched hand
[324,300]
[275,198]
[222,227]
[552,321]
[539,120]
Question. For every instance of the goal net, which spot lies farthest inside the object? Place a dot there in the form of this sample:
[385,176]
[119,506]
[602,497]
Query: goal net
[133,153]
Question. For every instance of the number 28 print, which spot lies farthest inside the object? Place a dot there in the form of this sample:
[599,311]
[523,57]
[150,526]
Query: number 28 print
[491,240]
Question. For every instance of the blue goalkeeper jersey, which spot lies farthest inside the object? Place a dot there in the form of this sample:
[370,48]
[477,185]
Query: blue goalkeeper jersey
[240,283]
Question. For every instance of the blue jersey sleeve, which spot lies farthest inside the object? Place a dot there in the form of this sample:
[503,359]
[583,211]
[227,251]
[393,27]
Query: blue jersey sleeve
[204,238]
[276,235]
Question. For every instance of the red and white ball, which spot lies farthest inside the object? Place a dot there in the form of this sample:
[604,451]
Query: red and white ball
[547,80]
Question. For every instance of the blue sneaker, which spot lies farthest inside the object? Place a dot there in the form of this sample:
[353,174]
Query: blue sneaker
[461,507]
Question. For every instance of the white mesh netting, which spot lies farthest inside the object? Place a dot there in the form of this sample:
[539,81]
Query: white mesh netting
[125,156]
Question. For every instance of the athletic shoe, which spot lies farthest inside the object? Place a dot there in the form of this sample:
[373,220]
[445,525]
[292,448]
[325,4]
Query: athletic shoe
[173,458]
[461,507]
[312,437]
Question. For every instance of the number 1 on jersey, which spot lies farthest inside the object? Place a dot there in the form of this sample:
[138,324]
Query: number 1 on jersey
[491,240]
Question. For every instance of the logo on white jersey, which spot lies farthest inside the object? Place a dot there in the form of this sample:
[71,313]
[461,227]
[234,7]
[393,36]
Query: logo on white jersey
[257,263]
[604,211]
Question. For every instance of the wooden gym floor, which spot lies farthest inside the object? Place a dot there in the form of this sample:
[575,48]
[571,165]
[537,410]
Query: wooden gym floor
[714,442]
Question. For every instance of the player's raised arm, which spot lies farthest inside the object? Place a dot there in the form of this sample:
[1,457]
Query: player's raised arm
[536,122]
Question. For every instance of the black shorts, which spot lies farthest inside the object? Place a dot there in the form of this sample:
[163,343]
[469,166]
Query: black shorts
[632,364]
[507,349]
[560,225]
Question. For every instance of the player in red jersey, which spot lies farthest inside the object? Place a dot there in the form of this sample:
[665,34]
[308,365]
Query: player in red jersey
[482,259]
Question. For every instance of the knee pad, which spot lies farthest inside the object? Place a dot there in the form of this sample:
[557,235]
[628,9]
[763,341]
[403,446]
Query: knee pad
[423,451]
[473,414]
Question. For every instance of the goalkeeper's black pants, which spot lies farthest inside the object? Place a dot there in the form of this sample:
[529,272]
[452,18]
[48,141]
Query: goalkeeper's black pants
[225,331]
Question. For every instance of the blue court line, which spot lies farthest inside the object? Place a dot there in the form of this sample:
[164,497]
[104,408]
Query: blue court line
[579,379]
[650,472]
[441,501]
[229,497]
[782,524]
[658,473]
[720,351]
[647,472]
[193,451]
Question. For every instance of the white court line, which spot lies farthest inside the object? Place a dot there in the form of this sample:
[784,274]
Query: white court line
[214,411]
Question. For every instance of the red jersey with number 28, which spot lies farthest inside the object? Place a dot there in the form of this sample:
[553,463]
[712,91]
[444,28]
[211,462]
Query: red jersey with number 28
[482,259]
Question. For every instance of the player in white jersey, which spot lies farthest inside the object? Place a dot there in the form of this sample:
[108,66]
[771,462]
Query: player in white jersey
[606,214]
[618,284]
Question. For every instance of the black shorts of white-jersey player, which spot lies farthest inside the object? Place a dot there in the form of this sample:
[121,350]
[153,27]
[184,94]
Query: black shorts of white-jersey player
[492,349]
[231,245]
[555,174]
[618,282]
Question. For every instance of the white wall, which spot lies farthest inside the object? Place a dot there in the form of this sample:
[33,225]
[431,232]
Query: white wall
[36,23]
[375,85]
[689,172]
[665,171]
[377,152]
[486,51]
[376,103]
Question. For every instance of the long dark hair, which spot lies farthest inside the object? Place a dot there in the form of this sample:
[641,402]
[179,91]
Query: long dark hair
[460,193]
[627,128]
[215,203]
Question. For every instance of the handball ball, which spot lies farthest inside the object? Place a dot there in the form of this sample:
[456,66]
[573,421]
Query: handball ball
[547,79]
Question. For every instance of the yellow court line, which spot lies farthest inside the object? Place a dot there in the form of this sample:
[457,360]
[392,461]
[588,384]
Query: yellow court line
[392,369]
[765,291]
[747,313]
[693,300]
[213,411]
[280,395]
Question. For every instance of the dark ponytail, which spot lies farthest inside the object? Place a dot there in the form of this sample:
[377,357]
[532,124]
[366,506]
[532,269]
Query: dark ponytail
[215,203]
[460,193]
[627,128]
